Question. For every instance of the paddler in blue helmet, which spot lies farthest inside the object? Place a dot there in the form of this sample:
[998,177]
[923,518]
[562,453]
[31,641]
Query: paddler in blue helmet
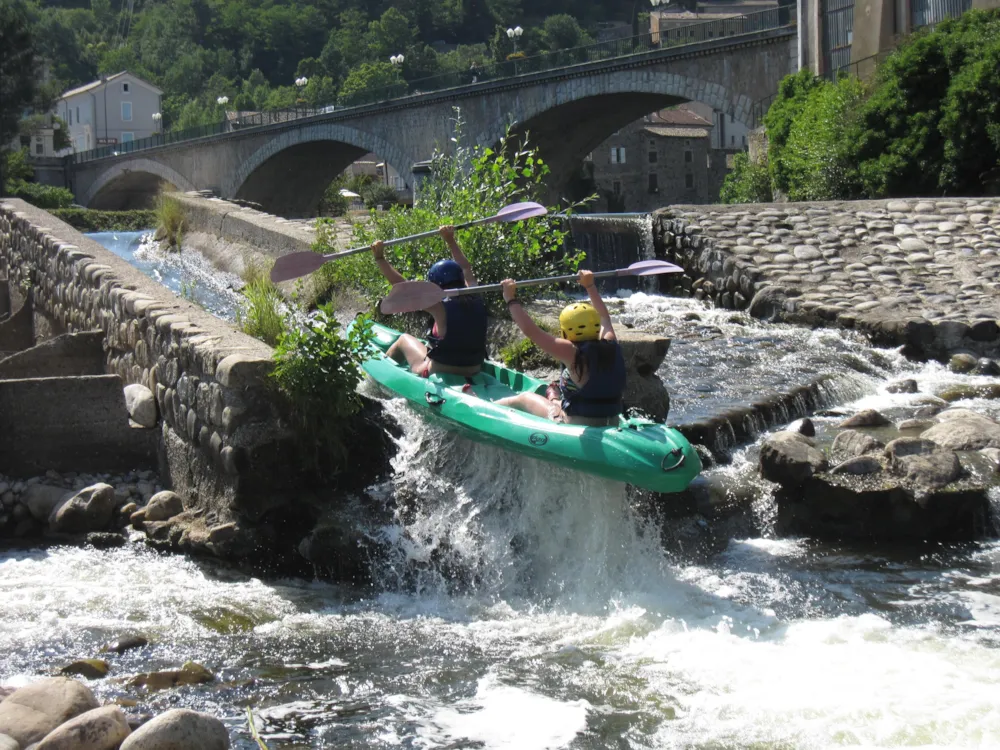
[458,336]
[589,391]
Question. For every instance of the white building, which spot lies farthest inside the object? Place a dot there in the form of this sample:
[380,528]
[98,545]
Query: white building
[116,109]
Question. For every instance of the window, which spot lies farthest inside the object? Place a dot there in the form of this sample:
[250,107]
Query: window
[617,154]
[654,186]
[128,137]
[688,157]
[39,148]
[77,115]
[731,120]
[126,111]
[616,187]
[69,114]
[652,156]
[732,140]
[744,140]
[689,180]
[124,88]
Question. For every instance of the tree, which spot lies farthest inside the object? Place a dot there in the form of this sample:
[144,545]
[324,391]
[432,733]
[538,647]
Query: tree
[18,69]
[563,32]
[368,78]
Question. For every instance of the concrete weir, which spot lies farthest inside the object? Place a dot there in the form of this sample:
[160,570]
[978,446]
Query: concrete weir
[223,439]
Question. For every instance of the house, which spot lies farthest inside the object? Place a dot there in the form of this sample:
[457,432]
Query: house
[664,158]
[113,110]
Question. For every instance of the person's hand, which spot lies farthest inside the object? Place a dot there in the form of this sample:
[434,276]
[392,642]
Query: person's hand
[378,250]
[509,289]
[586,279]
[447,233]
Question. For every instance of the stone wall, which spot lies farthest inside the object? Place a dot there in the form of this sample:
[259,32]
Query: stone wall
[224,441]
[923,274]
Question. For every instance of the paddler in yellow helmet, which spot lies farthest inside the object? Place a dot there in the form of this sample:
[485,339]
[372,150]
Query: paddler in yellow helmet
[590,387]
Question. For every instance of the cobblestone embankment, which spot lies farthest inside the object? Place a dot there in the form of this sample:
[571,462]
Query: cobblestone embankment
[919,273]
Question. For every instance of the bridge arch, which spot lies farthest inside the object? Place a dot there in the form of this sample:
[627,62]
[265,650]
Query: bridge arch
[133,183]
[288,174]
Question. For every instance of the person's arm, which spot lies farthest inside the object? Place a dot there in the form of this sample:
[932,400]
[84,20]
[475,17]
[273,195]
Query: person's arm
[448,234]
[587,282]
[391,274]
[561,349]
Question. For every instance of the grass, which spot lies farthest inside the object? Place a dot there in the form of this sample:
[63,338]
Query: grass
[170,219]
[89,220]
[260,313]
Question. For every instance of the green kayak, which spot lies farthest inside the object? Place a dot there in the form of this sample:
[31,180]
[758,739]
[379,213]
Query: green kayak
[643,453]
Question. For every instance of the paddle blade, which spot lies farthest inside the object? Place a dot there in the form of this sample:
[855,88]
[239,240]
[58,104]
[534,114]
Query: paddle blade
[410,296]
[651,268]
[520,211]
[294,265]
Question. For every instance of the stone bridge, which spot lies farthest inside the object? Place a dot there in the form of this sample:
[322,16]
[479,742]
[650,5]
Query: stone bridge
[285,167]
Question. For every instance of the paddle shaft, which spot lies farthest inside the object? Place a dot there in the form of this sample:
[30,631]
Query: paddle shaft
[410,238]
[532,282]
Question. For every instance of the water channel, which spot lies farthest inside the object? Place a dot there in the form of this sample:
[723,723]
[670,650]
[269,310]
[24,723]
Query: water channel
[518,605]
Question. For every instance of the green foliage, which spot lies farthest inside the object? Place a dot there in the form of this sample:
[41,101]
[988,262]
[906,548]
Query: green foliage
[377,193]
[333,203]
[43,196]
[18,167]
[367,78]
[170,219]
[793,94]
[470,183]
[524,355]
[749,182]
[89,220]
[318,371]
[260,312]
[17,70]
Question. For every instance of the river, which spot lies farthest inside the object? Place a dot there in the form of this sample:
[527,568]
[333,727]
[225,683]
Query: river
[519,605]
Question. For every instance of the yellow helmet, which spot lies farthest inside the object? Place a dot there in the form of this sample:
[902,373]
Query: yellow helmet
[580,322]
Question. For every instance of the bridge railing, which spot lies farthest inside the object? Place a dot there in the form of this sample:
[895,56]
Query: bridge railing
[514,66]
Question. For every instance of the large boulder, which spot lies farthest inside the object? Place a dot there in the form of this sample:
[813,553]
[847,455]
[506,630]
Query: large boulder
[789,458]
[31,712]
[922,463]
[42,499]
[102,728]
[851,443]
[866,418]
[141,404]
[179,729]
[9,743]
[88,510]
[964,430]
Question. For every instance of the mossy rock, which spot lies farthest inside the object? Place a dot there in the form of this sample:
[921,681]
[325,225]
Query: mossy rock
[92,669]
[961,392]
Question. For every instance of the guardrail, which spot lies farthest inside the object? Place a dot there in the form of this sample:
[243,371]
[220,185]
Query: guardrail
[513,67]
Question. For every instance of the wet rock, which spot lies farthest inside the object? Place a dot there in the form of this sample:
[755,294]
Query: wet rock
[770,304]
[987,367]
[962,363]
[789,458]
[909,446]
[902,386]
[163,505]
[859,465]
[691,316]
[127,643]
[929,410]
[958,393]
[127,510]
[41,500]
[803,427]
[179,729]
[88,510]
[915,425]
[853,443]
[964,430]
[92,669]
[141,404]
[927,471]
[102,728]
[191,673]
[138,519]
[105,539]
[866,418]
[33,711]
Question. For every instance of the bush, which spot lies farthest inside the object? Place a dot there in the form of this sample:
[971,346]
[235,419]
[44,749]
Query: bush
[43,196]
[333,203]
[318,372]
[376,194]
[260,311]
[793,93]
[749,182]
[88,220]
[470,183]
[170,220]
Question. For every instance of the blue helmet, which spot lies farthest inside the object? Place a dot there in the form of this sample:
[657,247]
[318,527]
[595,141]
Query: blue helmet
[447,274]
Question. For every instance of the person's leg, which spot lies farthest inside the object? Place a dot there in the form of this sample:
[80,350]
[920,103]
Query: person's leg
[529,402]
[409,348]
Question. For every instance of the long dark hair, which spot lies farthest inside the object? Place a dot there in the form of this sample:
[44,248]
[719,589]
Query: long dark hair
[604,355]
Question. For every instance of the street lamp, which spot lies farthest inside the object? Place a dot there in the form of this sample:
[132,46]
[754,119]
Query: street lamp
[157,117]
[222,101]
[515,34]
[396,59]
[300,82]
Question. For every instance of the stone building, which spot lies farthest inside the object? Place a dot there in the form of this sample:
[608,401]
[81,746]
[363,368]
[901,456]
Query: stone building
[665,158]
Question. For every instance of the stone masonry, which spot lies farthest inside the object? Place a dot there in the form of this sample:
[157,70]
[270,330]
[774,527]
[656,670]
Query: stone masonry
[924,274]
[226,446]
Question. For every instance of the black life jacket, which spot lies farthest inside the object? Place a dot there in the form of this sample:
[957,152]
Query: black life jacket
[601,396]
[464,342]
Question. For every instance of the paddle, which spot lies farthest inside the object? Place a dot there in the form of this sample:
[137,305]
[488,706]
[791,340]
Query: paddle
[294,265]
[410,296]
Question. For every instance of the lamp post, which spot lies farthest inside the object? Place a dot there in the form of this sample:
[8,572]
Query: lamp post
[157,118]
[222,101]
[515,34]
